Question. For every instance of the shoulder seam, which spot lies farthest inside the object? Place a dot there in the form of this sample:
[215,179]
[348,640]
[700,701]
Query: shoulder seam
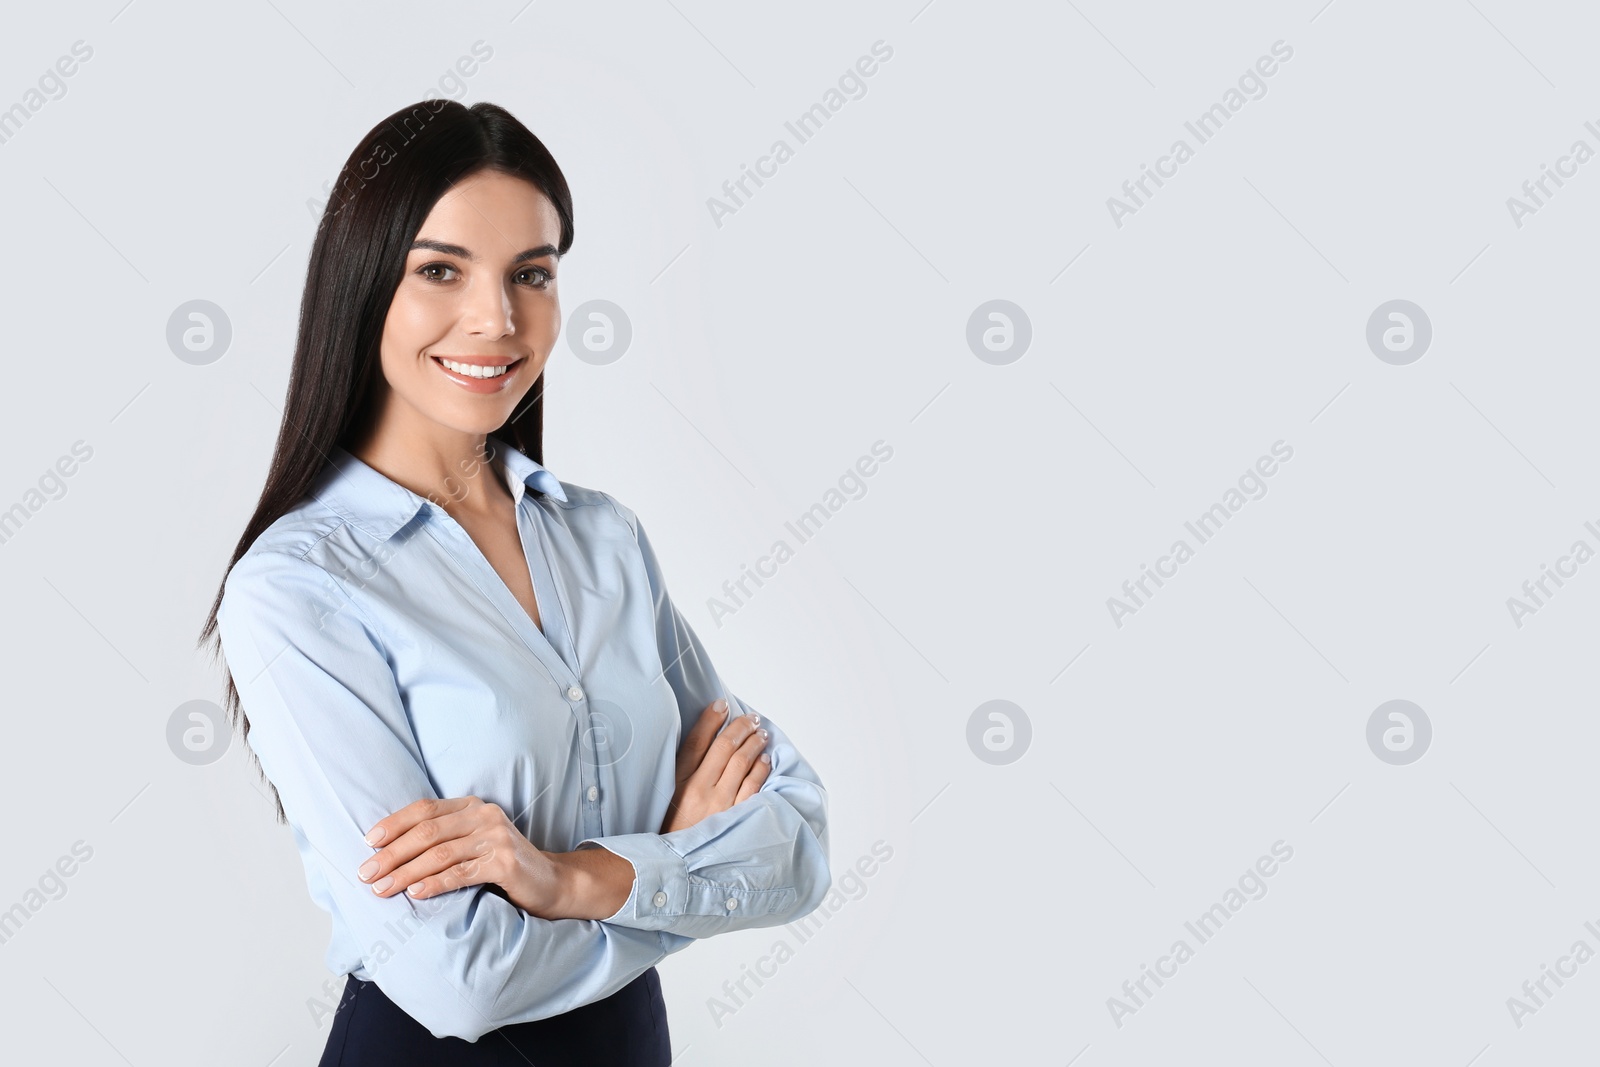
[574,491]
[341,524]
[617,509]
[331,581]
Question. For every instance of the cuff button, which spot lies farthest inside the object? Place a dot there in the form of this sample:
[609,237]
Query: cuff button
[659,900]
[732,903]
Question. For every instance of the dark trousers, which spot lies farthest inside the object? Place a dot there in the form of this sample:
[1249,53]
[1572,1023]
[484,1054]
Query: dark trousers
[626,1029]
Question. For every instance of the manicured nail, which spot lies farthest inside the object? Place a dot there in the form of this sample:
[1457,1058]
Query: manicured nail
[376,835]
[764,735]
[766,757]
[366,869]
[755,720]
[383,883]
[415,889]
[720,704]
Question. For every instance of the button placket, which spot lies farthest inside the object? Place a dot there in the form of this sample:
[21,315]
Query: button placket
[588,771]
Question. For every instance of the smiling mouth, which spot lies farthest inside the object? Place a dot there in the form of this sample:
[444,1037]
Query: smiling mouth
[482,372]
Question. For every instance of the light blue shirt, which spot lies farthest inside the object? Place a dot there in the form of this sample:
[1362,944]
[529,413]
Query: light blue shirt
[381,659]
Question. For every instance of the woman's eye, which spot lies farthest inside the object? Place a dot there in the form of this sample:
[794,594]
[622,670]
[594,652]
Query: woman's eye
[532,277]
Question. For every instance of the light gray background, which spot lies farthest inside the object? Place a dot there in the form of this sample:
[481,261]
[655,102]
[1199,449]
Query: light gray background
[769,353]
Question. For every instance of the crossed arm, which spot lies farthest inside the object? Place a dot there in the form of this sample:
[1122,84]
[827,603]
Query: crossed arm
[434,846]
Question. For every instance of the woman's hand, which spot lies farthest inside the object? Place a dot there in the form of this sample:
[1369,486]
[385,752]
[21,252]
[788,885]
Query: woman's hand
[433,846]
[716,771]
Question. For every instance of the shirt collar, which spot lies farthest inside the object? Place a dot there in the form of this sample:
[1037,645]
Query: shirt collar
[379,506]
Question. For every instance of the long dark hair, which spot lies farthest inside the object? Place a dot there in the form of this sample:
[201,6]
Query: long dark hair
[383,194]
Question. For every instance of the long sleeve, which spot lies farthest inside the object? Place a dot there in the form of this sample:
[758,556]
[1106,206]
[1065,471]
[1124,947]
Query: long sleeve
[762,862]
[333,735]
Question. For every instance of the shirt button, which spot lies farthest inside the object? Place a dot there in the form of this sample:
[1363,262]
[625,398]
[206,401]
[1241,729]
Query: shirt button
[574,693]
[594,793]
[659,900]
[732,903]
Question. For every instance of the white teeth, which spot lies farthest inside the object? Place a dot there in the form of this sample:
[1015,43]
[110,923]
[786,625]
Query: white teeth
[472,370]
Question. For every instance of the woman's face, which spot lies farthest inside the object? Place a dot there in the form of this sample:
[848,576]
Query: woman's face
[479,292]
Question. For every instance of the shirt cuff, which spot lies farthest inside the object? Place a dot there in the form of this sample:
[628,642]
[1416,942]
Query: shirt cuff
[665,896]
[660,880]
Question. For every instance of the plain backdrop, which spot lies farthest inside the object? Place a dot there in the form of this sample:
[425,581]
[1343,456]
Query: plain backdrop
[1042,852]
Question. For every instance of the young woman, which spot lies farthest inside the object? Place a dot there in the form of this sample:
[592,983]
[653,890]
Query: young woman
[513,775]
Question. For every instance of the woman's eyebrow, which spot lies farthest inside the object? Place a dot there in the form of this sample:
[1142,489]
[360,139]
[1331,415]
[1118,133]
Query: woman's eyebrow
[456,250]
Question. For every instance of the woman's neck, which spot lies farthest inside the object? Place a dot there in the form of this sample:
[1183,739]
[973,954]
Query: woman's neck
[463,474]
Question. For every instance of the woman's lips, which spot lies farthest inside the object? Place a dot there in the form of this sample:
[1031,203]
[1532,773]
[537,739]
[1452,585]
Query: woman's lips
[481,385]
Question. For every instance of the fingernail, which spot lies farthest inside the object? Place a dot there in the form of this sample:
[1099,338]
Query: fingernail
[415,888]
[764,734]
[366,869]
[383,883]
[766,757]
[720,704]
[375,835]
[755,720]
